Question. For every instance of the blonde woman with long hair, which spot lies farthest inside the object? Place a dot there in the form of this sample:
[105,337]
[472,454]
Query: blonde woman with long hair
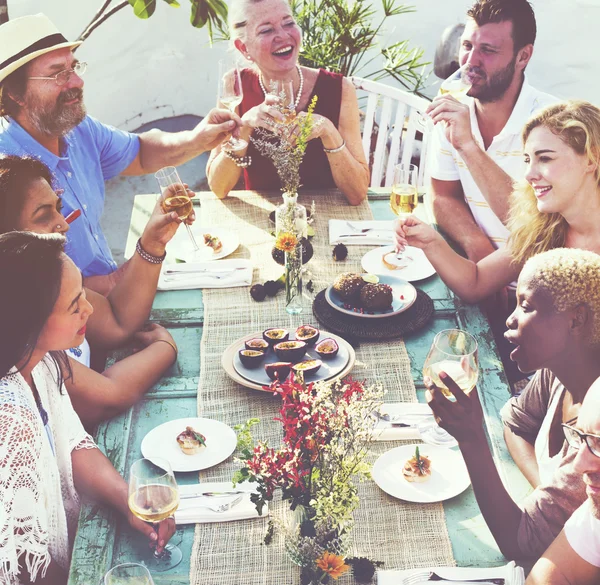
[558,204]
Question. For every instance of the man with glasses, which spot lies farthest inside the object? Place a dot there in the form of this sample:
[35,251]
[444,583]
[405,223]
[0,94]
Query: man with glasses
[41,102]
[574,557]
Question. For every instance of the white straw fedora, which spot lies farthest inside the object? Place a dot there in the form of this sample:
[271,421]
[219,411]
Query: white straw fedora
[23,39]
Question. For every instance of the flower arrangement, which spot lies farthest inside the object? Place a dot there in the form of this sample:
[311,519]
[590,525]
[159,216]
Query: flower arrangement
[285,152]
[327,428]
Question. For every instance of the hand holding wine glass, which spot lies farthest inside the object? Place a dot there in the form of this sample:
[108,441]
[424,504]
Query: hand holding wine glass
[451,366]
[230,96]
[153,497]
[175,197]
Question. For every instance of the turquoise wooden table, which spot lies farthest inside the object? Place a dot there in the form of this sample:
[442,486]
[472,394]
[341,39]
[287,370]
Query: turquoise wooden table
[104,539]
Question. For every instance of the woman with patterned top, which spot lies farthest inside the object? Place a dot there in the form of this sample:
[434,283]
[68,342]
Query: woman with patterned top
[47,460]
[265,33]
[28,202]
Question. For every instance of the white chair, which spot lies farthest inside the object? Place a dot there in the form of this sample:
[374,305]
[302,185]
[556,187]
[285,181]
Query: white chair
[398,115]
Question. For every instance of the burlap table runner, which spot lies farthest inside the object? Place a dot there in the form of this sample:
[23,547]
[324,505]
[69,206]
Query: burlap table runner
[399,534]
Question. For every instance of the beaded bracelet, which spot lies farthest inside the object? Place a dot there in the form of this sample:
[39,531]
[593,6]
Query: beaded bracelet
[171,344]
[148,257]
[240,161]
[334,150]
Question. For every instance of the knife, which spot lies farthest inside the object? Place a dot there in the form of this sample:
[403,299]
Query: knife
[191,270]
[367,235]
[213,494]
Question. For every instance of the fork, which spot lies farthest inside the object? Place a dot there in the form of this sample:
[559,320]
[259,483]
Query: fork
[211,275]
[425,576]
[220,507]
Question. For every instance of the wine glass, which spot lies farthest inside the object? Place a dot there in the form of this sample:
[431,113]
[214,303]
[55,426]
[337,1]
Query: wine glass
[153,496]
[458,84]
[230,96]
[404,198]
[174,197]
[128,574]
[455,352]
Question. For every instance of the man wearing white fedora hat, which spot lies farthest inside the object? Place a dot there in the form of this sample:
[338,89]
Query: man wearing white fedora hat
[41,102]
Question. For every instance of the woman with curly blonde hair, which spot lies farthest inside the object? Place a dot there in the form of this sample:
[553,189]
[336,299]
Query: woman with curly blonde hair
[555,330]
[558,205]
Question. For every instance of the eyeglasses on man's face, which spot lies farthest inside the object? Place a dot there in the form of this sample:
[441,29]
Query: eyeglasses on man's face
[576,438]
[62,77]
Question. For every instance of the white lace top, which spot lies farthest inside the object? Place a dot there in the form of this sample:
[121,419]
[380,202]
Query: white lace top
[39,506]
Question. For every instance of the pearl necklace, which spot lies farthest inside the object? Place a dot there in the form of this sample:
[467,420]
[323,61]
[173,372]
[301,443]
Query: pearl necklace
[298,96]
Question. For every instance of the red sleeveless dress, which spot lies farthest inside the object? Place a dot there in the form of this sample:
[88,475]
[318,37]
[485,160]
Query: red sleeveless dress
[315,171]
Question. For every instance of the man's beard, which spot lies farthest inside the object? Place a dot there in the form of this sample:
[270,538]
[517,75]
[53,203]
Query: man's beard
[594,500]
[59,119]
[497,84]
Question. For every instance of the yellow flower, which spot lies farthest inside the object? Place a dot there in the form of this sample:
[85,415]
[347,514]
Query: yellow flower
[333,565]
[286,241]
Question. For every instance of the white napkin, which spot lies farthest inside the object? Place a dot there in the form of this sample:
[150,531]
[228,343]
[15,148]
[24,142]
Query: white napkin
[512,574]
[189,512]
[384,431]
[215,274]
[382,235]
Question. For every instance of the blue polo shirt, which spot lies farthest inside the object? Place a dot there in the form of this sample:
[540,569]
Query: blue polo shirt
[90,154]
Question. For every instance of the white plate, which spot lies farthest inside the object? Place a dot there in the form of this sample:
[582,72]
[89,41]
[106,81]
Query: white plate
[449,475]
[414,262]
[329,369]
[404,295]
[180,247]
[161,441]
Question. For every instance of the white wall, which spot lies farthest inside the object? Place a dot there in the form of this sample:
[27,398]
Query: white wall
[141,71]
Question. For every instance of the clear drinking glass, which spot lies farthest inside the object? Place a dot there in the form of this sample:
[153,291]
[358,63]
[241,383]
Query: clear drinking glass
[128,574]
[174,197]
[230,96]
[404,198]
[458,84]
[153,496]
[455,352]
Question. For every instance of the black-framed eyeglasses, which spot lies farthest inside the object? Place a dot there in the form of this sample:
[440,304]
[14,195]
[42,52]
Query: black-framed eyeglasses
[576,438]
[62,77]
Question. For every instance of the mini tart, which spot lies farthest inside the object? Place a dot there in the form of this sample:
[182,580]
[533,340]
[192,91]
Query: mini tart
[417,469]
[213,242]
[390,264]
[191,441]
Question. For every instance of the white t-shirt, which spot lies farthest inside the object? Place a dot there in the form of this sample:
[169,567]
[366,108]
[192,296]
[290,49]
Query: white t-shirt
[506,150]
[583,533]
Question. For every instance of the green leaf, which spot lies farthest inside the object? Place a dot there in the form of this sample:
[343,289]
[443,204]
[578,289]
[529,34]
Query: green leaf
[199,14]
[173,3]
[143,8]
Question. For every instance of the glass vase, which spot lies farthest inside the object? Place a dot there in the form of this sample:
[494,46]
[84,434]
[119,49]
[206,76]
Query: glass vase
[306,540]
[293,280]
[290,217]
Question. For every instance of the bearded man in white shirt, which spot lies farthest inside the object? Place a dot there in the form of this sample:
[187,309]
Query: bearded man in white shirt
[477,148]
[574,557]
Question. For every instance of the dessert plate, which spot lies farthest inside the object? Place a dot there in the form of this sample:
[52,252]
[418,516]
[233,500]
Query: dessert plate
[257,378]
[180,247]
[404,295]
[412,266]
[161,441]
[449,475]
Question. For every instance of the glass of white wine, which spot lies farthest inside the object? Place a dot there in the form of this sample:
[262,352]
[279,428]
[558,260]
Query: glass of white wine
[174,197]
[404,198]
[454,352]
[458,84]
[153,496]
[128,574]
[230,96]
